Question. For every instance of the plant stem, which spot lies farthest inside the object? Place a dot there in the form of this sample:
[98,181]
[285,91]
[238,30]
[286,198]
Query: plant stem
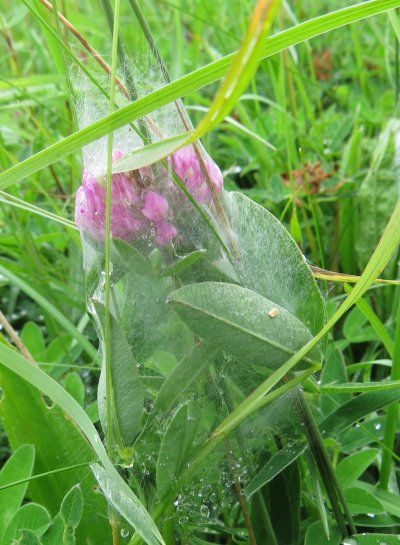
[239,492]
[391,417]
[107,288]
[132,91]
[97,57]
[326,470]
[15,338]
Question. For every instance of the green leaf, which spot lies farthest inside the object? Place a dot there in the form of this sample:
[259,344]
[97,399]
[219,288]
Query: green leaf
[373,539]
[72,507]
[58,443]
[140,519]
[376,521]
[127,388]
[75,386]
[361,501]
[182,264]
[54,535]
[352,467]
[241,322]
[357,387]
[357,408]
[71,514]
[277,463]
[176,445]
[268,261]
[316,488]
[131,510]
[186,373]
[163,362]
[128,258]
[357,437]
[18,466]
[32,337]
[334,370]
[151,153]
[389,500]
[316,535]
[32,517]
[284,505]
[27,537]
[355,330]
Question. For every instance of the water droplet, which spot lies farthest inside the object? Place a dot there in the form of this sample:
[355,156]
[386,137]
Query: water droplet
[350,541]
[377,426]
[124,532]
[204,511]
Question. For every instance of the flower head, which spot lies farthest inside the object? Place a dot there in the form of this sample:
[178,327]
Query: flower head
[133,209]
[190,170]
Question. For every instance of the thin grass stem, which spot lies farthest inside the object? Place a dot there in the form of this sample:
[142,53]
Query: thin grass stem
[392,415]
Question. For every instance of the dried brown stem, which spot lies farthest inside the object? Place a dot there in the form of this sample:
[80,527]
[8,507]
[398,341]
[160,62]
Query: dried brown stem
[97,57]
[15,338]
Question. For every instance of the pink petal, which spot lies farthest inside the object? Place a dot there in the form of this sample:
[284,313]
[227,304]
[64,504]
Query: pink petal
[155,207]
[166,232]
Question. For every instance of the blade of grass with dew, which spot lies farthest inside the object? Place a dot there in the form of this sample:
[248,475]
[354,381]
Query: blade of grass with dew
[187,84]
[52,310]
[13,361]
[203,453]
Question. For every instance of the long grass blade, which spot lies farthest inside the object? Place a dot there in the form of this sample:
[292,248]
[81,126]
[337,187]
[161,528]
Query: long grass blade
[188,84]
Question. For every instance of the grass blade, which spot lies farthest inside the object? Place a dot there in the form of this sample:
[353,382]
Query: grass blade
[39,379]
[52,310]
[188,84]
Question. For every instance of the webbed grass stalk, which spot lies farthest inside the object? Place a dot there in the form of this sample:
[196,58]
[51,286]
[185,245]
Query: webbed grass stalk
[132,93]
[111,424]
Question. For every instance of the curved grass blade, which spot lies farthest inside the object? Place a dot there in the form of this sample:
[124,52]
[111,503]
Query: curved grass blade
[13,361]
[33,209]
[188,84]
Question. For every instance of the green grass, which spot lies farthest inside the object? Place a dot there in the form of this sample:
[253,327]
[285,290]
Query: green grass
[313,140]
